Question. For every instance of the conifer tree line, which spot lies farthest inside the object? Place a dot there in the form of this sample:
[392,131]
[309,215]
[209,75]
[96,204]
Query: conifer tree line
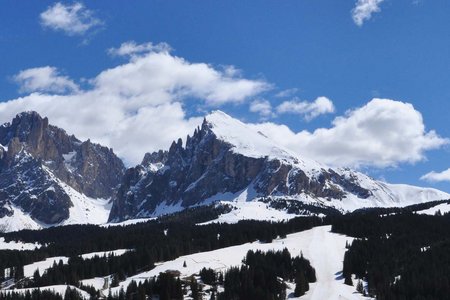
[36,294]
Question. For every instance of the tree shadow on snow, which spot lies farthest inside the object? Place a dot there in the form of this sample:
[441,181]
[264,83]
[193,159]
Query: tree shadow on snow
[338,275]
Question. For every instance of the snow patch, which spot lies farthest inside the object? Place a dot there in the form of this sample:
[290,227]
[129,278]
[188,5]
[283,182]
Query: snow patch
[43,265]
[443,208]
[14,245]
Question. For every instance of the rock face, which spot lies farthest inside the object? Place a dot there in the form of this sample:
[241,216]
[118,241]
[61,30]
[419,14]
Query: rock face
[38,160]
[227,160]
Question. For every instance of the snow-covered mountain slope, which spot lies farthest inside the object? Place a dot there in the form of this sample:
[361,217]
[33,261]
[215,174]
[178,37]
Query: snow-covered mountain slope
[84,210]
[323,248]
[227,160]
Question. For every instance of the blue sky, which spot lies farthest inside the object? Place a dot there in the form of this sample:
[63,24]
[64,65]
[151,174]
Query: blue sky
[302,49]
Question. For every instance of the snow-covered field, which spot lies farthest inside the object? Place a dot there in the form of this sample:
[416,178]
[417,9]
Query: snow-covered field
[443,208]
[254,210]
[13,245]
[43,265]
[323,248]
[97,282]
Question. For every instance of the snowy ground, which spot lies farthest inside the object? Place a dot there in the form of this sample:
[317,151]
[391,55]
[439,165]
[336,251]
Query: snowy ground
[443,208]
[43,265]
[254,210]
[97,282]
[324,249]
[13,245]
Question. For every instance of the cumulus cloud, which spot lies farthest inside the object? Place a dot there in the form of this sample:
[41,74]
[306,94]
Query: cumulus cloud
[137,106]
[44,79]
[262,107]
[364,9]
[437,176]
[72,19]
[381,133]
[164,77]
[309,110]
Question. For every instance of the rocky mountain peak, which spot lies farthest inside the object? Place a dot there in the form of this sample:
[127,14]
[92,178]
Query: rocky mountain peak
[38,159]
[37,137]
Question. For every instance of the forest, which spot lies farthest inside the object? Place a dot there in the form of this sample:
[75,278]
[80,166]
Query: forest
[158,240]
[400,256]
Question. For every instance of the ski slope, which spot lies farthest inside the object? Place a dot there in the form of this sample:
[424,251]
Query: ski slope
[323,248]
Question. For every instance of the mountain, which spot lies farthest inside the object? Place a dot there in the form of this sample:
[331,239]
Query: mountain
[226,160]
[48,177]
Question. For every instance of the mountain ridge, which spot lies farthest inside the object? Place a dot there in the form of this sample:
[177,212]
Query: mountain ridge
[48,178]
[227,160]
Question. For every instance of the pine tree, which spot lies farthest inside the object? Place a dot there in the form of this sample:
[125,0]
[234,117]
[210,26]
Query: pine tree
[36,277]
[301,285]
[360,287]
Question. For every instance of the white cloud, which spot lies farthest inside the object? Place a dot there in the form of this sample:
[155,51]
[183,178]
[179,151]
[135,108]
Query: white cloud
[382,133]
[364,9]
[287,93]
[310,110]
[437,176]
[72,19]
[137,106]
[131,48]
[44,79]
[162,77]
[262,107]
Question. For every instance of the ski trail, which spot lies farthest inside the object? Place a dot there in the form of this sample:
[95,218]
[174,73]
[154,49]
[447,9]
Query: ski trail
[326,253]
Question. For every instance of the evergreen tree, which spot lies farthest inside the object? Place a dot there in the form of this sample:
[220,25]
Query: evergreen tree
[360,287]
